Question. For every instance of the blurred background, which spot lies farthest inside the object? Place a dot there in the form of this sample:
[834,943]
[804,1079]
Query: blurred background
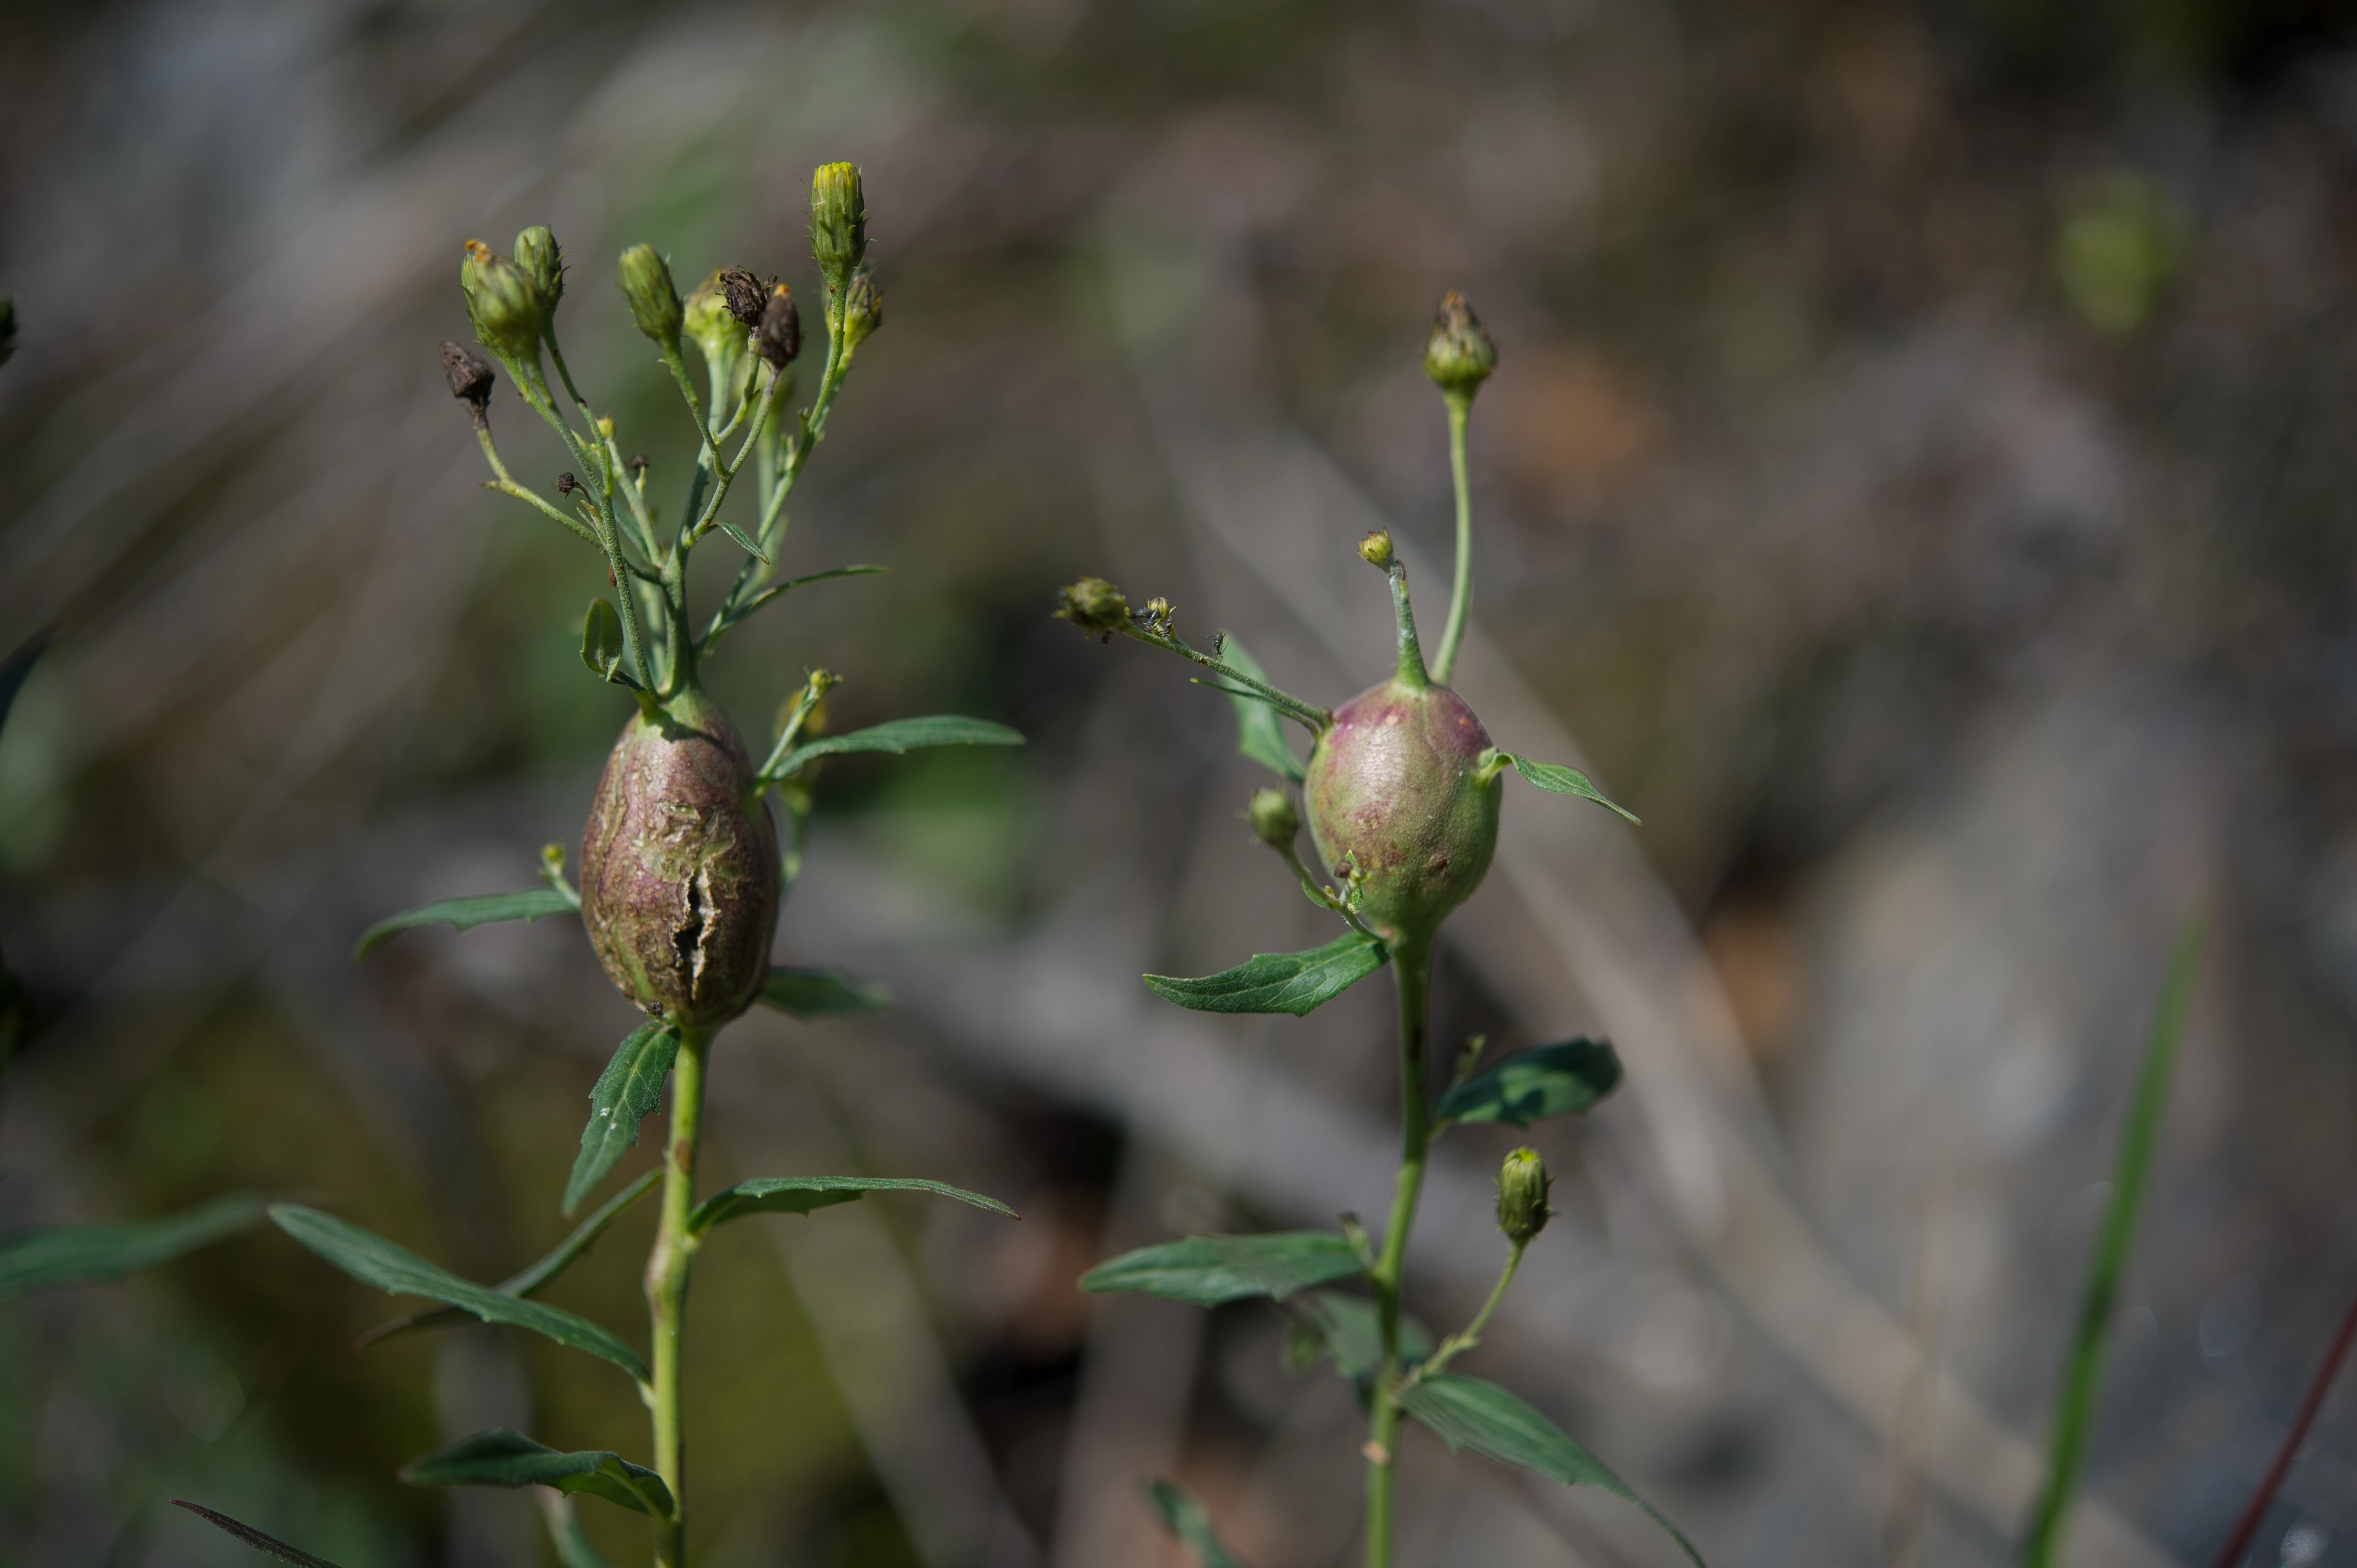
[1916,480]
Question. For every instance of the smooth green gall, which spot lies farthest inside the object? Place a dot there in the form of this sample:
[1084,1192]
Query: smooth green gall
[1459,355]
[679,874]
[654,299]
[1398,807]
[838,223]
[1274,821]
[539,259]
[1523,1188]
[501,301]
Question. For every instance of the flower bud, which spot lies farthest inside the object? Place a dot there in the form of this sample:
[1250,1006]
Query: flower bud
[1274,821]
[1395,791]
[1375,550]
[707,319]
[1458,356]
[1159,613]
[471,380]
[838,223]
[505,306]
[1523,1185]
[1094,605]
[538,258]
[654,300]
[863,309]
[679,874]
[778,337]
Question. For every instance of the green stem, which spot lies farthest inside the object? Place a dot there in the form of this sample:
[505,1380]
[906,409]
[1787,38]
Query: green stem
[1460,593]
[1469,1336]
[1411,672]
[1292,707]
[1413,967]
[667,1266]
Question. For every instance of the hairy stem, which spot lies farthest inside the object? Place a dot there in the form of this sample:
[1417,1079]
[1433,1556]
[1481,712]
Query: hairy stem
[667,1265]
[1460,593]
[1413,967]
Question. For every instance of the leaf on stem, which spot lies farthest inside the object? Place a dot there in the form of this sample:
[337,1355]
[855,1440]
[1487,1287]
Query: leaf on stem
[821,993]
[1477,1415]
[535,1278]
[268,1545]
[1259,735]
[901,736]
[800,1195]
[745,542]
[1189,1524]
[1209,1270]
[623,1095]
[1531,1085]
[1292,983]
[603,646]
[479,909]
[1349,1328]
[59,1256]
[1561,780]
[732,613]
[503,1459]
[372,1259]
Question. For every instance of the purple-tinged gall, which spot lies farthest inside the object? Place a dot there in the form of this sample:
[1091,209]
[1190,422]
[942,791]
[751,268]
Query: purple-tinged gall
[679,875]
[1398,806]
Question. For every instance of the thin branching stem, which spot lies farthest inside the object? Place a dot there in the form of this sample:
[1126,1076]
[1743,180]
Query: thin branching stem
[666,1284]
[1469,1336]
[1461,592]
[1411,966]
[1292,707]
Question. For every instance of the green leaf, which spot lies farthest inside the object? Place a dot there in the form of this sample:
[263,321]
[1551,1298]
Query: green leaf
[800,1195]
[1189,1523]
[372,1260]
[533,1280]
[2074,1402]
[602,646]
[745,542]
[1259,735]
[780,590]
[479,909]
[628,1088]
[19,665]
[821,993]
[65,1256]
[1291,982]
[1563,780]
[503,1459]
[1531,1085]
[268,1545]
[1475,1415]
[901,736]
[1209,1270]
[1349,1328]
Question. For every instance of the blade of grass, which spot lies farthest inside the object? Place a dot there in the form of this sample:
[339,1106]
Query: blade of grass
[2264,1499]
[2074,1408]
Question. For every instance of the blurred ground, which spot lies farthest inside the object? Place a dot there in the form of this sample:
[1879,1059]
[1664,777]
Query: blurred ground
[1916,475]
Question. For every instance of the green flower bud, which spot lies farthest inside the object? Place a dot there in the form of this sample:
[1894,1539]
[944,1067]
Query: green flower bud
[538,258]
[1274,821]
[471,379]
[1397,806]
[1523,1185]
[1459,355]
[7,327]
[838,223]
[654,300]
[505,306]
[1094,605]
[778,336]
[679,875]
[1375,550]
[707,319]
[863,309]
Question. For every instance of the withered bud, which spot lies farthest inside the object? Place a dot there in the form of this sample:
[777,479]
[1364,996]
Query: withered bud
[636,465]
[745,295]
[1459,355]
[1094,605]
[1274,821]
[566,484]
[1523,1188]
[471,380]
[1375,550]
[777,335]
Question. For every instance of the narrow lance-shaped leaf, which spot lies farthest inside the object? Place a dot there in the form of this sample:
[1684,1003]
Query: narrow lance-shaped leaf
[479,909]
[268,1545]
[901,736]
[1473,1414]
[800,1195]
[736,610]
[623,1095]
[59,1256]
[1292,983]
[821,993]
[500,1458]
[603,649]
[1209,1270]
[1561,780]
[372,1259]
[745,542]
[1531,1085]
[535,1278]
[1259,735]
[1189,1524]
